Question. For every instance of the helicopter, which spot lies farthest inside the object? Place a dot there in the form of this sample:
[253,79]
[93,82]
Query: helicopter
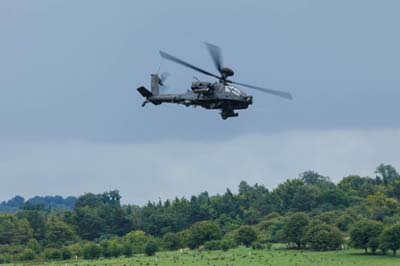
[219,95]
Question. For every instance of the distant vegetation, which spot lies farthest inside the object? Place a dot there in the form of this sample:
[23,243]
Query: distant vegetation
[48,203]
[310,212]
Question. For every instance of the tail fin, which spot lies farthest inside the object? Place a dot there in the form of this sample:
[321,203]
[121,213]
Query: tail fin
[155,84]
[145,92]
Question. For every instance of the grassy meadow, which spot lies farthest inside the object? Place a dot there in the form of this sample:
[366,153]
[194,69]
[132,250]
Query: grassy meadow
[240,257]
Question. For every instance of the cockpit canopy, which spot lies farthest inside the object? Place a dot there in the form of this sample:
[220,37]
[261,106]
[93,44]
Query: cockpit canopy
[234,90]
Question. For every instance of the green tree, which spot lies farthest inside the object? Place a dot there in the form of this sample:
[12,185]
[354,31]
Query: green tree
[76,249]
[66,253]
[172,241]
[127,249]
[295,228]
[283,195]
[271,228]
[213,245]
[106,248]
[34,245]
[36,217]
[88,223]
[27,254]
[91,251]
[364,232]
[315,179]
[96,216]
[13,230]
[245,235]
[320,236]
[333,198]
[390,238]
[151,247]
[357,187]
[374,244]
[394,189]
[202,232]
[60,233]
[138,240]
[116,249]
[387,173]
[52,254]
[344,222]
[381,206]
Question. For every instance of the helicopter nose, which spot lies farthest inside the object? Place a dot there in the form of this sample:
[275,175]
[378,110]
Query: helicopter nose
[249,99]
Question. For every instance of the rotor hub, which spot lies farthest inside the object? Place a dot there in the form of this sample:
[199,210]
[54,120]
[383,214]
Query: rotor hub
[227,72]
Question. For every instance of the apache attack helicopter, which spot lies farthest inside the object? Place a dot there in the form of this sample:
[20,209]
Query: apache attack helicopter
[219,95]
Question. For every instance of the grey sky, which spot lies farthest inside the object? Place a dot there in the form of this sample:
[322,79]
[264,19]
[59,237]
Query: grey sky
[69,70]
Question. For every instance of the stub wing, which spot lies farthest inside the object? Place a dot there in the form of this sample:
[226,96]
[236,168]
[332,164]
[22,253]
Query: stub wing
[145,92]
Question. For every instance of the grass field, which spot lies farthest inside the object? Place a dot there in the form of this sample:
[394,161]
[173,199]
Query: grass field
[241,257]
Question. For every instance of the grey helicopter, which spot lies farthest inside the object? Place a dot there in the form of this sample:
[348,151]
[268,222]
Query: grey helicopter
[219,95]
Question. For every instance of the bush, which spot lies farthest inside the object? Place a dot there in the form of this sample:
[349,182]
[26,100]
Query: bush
[257,245]
[138,240]
[172,241]
[322,237]
[52,254]
[66,254]
[27,254]
[271,216]
[227,244]
[246,235]
[295,228]
[271,230]
[112,248]
[213,245]
[116,249]
[127,250]
[202,232]
[34,245]
[91,251]
[3,259]
[224,245]
[106,250]
[150,248]
[76,249]
[344,222]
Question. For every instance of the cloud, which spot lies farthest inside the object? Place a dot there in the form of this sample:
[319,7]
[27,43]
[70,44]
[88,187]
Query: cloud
[165,169]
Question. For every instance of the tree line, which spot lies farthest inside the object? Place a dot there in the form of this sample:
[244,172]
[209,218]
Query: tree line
[308,212]
[49,202]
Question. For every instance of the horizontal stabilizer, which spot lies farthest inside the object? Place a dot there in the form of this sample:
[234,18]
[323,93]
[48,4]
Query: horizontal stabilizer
[144,92]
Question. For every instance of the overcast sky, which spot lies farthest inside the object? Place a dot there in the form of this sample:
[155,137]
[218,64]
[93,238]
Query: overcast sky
[71,120]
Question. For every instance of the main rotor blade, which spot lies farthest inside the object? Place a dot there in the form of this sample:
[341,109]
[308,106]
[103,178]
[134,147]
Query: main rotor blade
[282,94]
[216,55]
[179,61]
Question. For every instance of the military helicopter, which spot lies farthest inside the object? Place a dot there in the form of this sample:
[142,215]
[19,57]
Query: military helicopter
[220,95]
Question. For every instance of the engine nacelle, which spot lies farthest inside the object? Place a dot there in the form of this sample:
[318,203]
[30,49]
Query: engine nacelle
[206,91]
[201,87]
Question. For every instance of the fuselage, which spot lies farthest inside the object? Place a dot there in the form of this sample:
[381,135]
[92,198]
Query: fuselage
[212,96]
[218,95]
